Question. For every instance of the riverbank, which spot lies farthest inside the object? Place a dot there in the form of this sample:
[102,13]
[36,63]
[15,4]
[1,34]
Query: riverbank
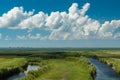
[104,72]
[24,73]
[11,66]
[114,63]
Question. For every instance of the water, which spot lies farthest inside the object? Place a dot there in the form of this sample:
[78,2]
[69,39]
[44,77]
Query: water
[22,74]
[104,72]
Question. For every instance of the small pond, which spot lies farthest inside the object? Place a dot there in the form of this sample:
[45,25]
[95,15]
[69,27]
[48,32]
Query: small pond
[22,74]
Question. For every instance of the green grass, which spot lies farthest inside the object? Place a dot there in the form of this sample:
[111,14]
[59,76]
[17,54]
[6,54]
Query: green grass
[67,69]
[70,68]
[11,62]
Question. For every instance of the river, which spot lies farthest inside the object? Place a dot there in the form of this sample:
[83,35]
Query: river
[104,72]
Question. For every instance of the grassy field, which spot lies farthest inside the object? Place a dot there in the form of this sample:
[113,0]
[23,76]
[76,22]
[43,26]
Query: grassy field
[62,65]
[70,68]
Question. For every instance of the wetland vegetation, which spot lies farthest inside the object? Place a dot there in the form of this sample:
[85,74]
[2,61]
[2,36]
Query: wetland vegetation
[56,64]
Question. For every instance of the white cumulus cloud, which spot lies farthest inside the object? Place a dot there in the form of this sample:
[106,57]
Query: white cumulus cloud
[12,18]
[73,24]
[108,29]
[35,21]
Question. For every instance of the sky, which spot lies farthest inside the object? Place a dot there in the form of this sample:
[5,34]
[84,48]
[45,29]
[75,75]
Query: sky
[60,23]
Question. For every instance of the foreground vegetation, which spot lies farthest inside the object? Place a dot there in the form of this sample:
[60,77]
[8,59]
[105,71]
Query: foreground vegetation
[10,66]
[69,68]
[61,65]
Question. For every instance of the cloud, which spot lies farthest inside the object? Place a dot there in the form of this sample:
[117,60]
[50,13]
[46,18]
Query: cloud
[73,24]
[12,18]
[21,37]
[31,37]
[35,21]
[84,9]
[7,38]
[108,29]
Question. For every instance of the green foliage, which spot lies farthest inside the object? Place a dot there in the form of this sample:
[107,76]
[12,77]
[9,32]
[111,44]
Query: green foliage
[34,59]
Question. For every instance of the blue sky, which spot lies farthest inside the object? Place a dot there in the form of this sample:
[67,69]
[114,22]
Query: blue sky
[59,23]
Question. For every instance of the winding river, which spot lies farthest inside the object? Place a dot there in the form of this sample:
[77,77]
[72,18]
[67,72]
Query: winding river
[22,74]
[104,72]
